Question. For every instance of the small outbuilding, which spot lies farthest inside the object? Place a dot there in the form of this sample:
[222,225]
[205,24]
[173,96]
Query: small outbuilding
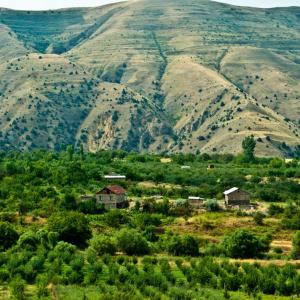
[113,196]
[186,167]
[196,202]
[114,176]
[237,197]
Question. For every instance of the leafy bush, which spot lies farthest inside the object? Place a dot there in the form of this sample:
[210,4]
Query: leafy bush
[64,251]
[183,245]
[28,241]
[103,245]
[143,220]
[244,244]
[150,234]
[72,227]
[212,205]
[132,242]
[8,217]
[42,286]
[296,246]
[274,209]
[90,207]
[258,218]
[115,218]
[291,219]
[8,236]
[17,287]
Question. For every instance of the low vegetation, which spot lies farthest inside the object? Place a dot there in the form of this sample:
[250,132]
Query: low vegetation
[51,240]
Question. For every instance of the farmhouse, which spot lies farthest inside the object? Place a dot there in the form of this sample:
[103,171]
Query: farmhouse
[113,196]
[237,197]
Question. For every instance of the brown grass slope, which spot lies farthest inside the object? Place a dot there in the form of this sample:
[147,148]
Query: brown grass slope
[153,75]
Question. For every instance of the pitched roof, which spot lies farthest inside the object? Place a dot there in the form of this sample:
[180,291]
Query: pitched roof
[195,198]
[115,189]
[231,191]
[114,176]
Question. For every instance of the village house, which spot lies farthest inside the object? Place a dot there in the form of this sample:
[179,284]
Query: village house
[113,196]
[237,197]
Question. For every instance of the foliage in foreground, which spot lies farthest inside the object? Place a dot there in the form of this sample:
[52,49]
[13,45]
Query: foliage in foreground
[79,243]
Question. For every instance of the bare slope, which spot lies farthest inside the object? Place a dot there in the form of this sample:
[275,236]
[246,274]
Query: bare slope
[153,75]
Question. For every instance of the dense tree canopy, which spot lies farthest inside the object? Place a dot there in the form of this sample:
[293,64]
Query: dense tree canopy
[183,246]
[72,227]
[132,242]
[244,244]
[8,236]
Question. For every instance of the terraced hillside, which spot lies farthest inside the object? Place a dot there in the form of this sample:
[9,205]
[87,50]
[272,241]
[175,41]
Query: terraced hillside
[153,75]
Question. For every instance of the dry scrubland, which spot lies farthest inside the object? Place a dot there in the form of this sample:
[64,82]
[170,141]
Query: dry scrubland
[151,75]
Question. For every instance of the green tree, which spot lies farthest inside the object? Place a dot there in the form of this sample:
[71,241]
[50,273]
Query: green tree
[68,202]
[70,150]
[296,246]
[81,151]
[132,242]
[42,286]
[249,145]
[103,244]
[8,236]
[212,205]
[17,287]
[258,218]
[115,218]
[72,227]
[244,244]
[183,245]
[150,233]
[28,240]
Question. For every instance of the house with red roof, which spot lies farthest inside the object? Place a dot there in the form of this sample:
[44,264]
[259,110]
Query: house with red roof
[113,196]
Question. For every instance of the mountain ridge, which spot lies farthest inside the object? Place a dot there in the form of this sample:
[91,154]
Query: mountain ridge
[149,76]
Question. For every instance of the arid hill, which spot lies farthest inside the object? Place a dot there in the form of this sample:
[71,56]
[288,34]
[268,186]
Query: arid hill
[151,75]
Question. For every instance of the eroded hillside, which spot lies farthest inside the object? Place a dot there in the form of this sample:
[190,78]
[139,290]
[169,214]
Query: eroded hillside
[153,75]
